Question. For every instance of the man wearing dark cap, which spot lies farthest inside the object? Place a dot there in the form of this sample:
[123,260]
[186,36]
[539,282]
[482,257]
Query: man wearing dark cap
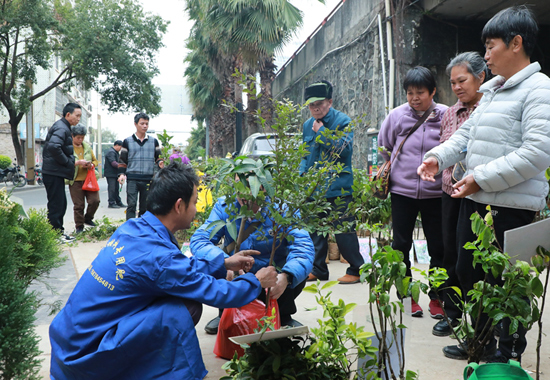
[111,173]
[318,97]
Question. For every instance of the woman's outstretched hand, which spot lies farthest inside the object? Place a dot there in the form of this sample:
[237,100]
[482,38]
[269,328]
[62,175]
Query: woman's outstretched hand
[428,169]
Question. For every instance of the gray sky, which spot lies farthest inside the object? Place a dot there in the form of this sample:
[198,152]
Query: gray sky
[170,61]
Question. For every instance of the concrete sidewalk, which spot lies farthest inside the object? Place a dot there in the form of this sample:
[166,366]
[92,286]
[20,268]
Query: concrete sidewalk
[424,354]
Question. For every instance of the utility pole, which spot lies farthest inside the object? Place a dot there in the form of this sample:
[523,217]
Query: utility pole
[99,147]
[30,145]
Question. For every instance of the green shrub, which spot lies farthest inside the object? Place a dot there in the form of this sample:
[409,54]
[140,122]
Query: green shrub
[103,230]
[5,161]
[29,252]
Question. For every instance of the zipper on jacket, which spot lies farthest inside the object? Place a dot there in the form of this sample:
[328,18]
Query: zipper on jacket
[419,182]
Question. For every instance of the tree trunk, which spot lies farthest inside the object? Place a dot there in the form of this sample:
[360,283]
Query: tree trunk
[222,124]
[215,148]
[267,74]
[252,122]
[14,122]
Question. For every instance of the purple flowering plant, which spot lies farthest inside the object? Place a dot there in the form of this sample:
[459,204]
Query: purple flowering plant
[178,156]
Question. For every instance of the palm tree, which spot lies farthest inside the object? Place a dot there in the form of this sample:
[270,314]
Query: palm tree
[245,35]
[256,29]
[196,142]
[209,81]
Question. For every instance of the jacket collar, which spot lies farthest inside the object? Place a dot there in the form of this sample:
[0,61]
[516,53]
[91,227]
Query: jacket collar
[412,111]
[66,122]
[514,80]
[329,117]
[461,106]
[159,228]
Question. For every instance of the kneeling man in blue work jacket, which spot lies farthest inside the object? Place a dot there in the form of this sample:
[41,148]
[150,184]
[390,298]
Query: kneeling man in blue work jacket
[294,258]
[133,312]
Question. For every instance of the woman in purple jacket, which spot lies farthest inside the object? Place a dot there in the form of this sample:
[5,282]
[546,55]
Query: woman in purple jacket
[409,194]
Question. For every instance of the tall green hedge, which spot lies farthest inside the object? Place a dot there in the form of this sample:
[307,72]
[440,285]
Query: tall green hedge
[29,250]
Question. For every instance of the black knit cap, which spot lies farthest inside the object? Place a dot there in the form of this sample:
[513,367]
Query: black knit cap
[318,91]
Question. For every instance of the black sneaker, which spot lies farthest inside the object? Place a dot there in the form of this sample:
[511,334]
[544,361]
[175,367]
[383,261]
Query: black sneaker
[121,205]
[212,326]
[64,239]
[114,206]
[442,328]
[458,353]
[90,223]
[79,230]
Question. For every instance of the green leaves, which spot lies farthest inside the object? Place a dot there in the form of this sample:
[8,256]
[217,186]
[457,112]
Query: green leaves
[509,290]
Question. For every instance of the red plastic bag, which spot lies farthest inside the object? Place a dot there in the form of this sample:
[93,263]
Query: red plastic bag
[90,183]
[242,321]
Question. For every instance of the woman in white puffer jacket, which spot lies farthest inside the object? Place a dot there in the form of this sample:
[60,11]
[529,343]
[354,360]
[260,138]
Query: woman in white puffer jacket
[506,144]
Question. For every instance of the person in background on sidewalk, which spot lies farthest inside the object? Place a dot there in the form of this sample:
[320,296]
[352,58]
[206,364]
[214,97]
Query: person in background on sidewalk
[59,164]
[110,171]
[409,195]
[318,97]
[138,157]
[467,72]
[87,161]
[506,146]
[294,258]
[132,313]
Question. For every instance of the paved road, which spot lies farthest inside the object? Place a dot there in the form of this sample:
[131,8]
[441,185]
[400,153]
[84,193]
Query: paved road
[35,197]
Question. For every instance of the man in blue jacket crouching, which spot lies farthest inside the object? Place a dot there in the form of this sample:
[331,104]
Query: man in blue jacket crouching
[133,312]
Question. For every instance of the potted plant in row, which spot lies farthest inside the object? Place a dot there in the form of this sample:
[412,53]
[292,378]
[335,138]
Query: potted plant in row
[331,351]
[514,296]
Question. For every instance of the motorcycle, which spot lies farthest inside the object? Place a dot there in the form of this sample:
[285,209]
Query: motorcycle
[37,175]
[14,175]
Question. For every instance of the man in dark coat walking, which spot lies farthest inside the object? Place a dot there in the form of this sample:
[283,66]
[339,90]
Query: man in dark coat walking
[58,165]
[111,173]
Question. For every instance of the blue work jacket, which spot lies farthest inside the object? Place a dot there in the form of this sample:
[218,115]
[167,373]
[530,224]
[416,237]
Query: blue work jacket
[333,120]
[126,319]
[295,258]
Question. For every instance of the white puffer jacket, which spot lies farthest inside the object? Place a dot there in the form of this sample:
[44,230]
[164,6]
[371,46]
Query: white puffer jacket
[508,141]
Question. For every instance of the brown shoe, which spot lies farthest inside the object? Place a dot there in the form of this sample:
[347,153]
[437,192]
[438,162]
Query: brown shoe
[311,277]
[349,279]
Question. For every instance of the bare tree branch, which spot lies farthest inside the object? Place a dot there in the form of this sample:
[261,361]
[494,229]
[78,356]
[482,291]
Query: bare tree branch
[58,81]
[14,61]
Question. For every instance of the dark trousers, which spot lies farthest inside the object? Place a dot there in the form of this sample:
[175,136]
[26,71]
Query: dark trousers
[135,188]
[286,302]
[57,200]
[80,198]
[511,346]
[404,211]
[450,208]
[113,191]
[348,245]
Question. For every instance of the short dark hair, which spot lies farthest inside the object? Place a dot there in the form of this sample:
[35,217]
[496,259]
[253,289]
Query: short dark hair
[78,130]
[472,61]
[419,77]
[510,22]
[69,108]
[118,142]
[140,115]
[169,184]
